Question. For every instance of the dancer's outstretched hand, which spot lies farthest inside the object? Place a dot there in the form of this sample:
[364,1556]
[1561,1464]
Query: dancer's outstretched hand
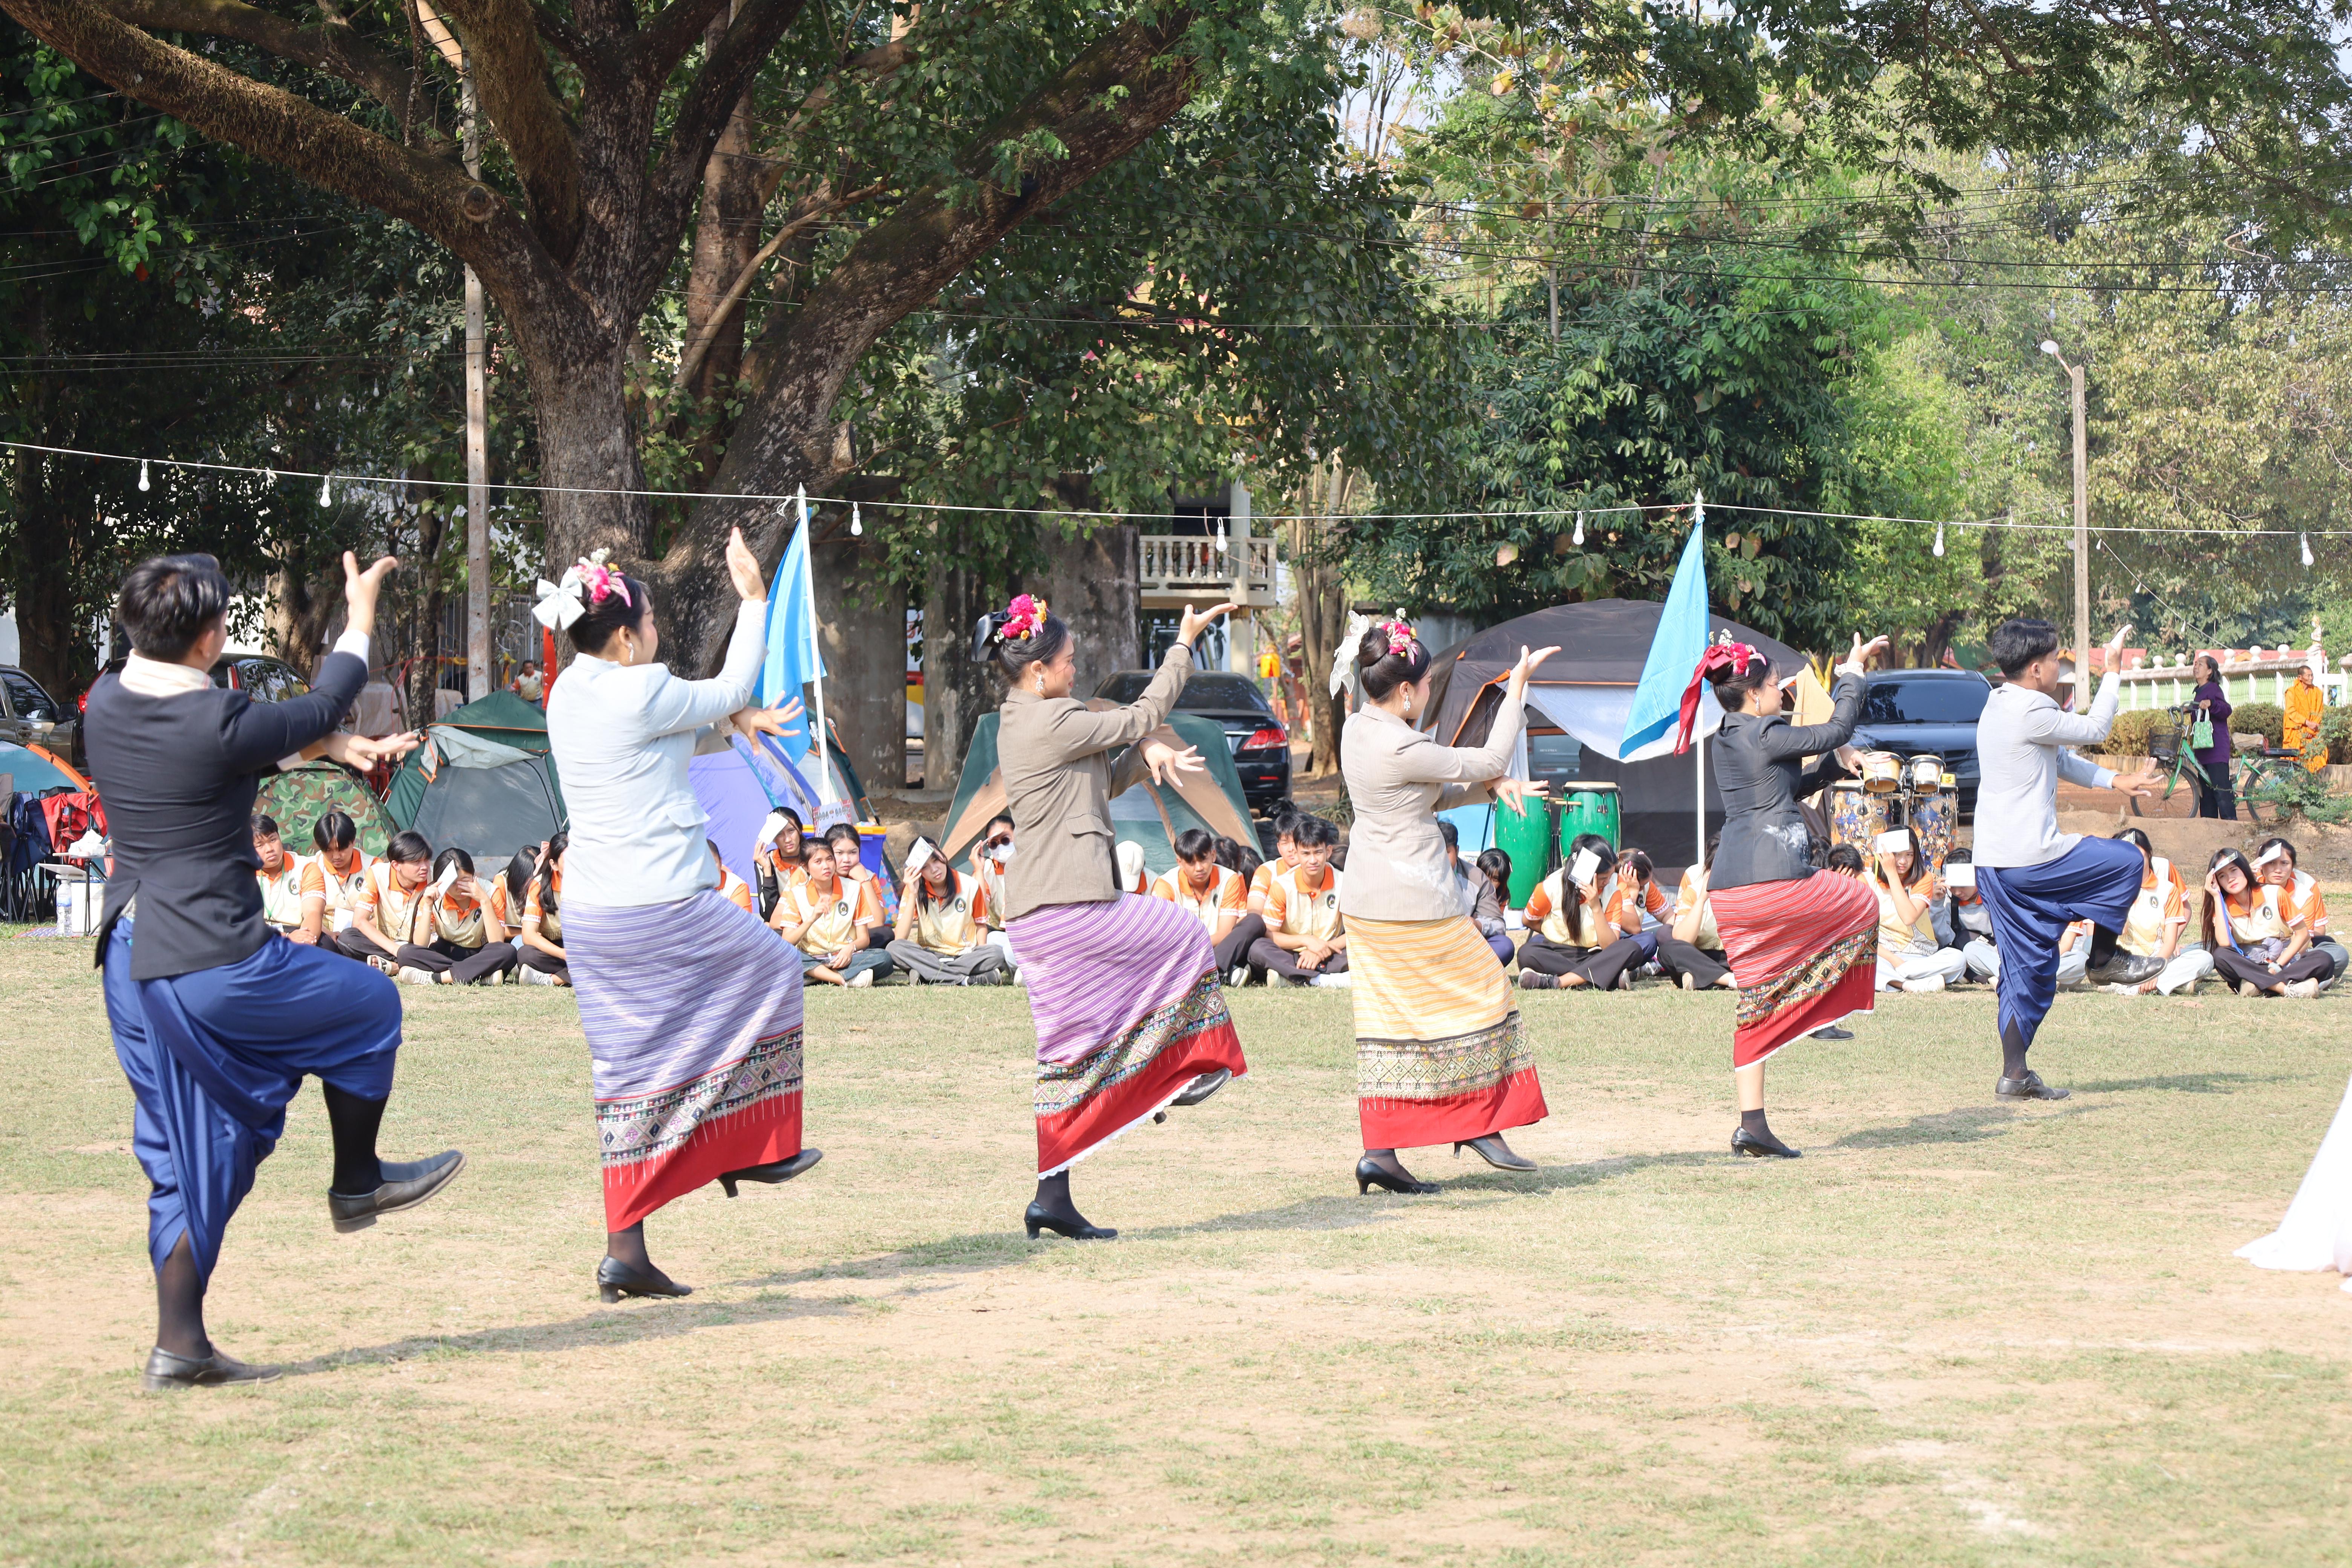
[1193,625]
[363,752]
[2141,785]
[752,723]
[2115,644]
[743,567]
[1528,664]
[360,591]
[1516,792]
[1864,652]
[1166,762]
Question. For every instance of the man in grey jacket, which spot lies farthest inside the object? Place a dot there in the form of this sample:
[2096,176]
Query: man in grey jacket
[2036,880]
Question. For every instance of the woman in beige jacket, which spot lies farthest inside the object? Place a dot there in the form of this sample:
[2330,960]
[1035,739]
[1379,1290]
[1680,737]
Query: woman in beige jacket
[1439,1054]
[1124,990]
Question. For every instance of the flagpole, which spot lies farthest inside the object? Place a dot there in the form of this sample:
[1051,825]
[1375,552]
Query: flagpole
[816,659]
[1698,846]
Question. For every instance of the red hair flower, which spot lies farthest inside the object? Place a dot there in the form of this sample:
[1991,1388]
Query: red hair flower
[1722,659]
[1023,616]
[1401,635]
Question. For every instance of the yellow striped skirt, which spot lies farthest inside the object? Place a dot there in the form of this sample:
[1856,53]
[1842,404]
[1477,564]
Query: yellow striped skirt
[1439,1055]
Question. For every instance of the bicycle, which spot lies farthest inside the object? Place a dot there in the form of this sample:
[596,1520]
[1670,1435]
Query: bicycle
[2168,748]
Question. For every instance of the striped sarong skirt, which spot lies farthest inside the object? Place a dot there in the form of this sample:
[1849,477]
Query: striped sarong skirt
[693,1016]
[1439,1058]
[1128,1012]
[1804,954]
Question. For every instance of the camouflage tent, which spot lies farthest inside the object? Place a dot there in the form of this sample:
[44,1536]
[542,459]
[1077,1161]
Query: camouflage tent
[299,798]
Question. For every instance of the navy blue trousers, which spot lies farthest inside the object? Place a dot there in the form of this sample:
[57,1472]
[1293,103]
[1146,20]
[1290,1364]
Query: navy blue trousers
[215,1056]
[2032,906]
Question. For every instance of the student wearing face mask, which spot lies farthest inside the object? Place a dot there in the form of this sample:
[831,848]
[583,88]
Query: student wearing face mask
[989,858]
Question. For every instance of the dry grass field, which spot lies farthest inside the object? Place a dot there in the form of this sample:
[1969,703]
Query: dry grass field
[1958,1332]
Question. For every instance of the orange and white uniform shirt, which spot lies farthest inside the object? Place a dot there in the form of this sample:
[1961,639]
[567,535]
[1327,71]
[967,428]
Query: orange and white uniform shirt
[835,916]
[1693,894]
[1556,913]
[1294,908]
[2298,904]
[2161,908]
[1226,894]
[1261,882]
[340,890]
[281,895]
[398,912]
[954,922]
[1650,900]
[502,908]
[736,890]
[458,918]
[538,916]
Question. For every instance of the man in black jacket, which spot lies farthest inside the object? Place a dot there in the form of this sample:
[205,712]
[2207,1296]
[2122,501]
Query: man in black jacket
[217,1019]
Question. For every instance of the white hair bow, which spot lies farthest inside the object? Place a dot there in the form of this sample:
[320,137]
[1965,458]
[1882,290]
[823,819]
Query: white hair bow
[560,603]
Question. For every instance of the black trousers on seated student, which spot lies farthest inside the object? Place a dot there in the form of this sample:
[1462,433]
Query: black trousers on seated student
[530,957]
[2309,964]
[1600,967]
[1681,958]
[464,965]
[1264,954]
[351,943]
[1247,932]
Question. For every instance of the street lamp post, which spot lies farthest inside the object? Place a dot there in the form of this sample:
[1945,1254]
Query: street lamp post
[2082,536]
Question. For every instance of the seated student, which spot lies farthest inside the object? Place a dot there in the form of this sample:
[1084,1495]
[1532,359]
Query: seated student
[1490,907]
[1910,957]
[832,921]
[2254,947]
[1306,941]
[2299,898]
[540,949]
[1643,895]
[1216,897]
[1581,929]
[942,934]
[1966,922]
[1285,856]
[849,865]
[731,888]
[392,906]
[776,856]
[989,858]
[1689,948]
[283,907]
[465,944]
[2156,926]
[1132,877]
[336,875]
[1842,859]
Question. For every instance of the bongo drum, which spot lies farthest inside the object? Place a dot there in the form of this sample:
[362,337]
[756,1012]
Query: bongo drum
[1935,819]
[1927,773]
[1881,772]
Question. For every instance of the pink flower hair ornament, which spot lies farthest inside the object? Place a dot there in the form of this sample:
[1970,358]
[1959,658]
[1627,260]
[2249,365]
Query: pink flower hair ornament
[1401,635]
[1023,616]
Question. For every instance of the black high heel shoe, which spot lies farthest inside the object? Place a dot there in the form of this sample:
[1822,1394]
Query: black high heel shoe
[1038,1219]
[1767,1147]
[772,1173]
[1370,1174]
[1198,1089]
[1496,1153]
[615,1280]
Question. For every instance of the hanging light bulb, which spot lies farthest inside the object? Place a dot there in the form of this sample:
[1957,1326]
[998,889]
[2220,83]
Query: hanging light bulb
[142,475]
[1939,538]
[857,524]
[1578,537]
[326,491]
[2306,550]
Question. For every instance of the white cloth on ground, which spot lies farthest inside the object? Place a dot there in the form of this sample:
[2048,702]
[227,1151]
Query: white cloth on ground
[2317,1230]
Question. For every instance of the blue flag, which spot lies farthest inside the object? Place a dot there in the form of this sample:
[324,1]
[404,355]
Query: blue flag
[793,659]
[1683,631]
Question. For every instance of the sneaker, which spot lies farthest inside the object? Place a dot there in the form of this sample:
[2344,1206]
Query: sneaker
[1934,982]
[383,966]
[2304,988]
[863,977]
[525,975]
[412,975]
[1238,976]
[1331,981]
[1690,981]
[1530,980]
[914,977]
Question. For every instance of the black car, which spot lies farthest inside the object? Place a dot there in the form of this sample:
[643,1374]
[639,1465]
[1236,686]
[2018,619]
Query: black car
[31,717]
[1260,747]
[1911,712]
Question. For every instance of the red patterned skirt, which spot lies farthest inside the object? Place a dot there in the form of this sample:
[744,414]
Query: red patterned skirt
[1805,953]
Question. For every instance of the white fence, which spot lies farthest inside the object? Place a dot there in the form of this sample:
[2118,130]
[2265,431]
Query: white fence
[1173,561]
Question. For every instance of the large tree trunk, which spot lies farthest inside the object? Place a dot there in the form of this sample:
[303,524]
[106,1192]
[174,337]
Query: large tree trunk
[301,609]
[424,643]
[957,687]
[1316,546]
[51,643]
[1090,583]
[862,627]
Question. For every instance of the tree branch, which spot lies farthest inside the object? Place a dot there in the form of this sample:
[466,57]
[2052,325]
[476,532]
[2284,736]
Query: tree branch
[692,359]
[333,49]
[680,27]
[509,70]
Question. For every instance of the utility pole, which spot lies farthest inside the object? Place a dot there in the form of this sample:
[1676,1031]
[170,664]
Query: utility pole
[478,448]
[2082,535]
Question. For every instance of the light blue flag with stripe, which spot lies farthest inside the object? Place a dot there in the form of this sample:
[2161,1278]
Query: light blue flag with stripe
[794,658]
[1682,636]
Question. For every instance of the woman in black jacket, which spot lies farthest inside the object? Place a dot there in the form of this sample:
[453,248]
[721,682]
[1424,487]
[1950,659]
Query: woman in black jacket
[1803,949]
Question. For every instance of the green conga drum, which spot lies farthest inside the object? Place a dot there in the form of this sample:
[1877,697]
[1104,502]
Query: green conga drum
[1525,836]
[1590,807]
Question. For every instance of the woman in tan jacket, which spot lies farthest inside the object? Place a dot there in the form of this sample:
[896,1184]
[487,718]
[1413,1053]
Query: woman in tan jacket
[1439,1054]
[1130,1017]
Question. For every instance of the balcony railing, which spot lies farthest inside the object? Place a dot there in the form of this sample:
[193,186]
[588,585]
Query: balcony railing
[1175,561]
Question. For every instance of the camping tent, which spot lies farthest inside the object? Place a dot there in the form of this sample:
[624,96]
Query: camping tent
[1580,697]
[738,785]
[299,796]
[36,769]
[1140,811]
[483,782]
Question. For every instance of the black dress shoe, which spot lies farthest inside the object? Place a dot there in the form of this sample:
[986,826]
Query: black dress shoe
[2029,1087]
[1767,1147]
[1370,1174]
[1496,1153]
[1831,1032]
[615,1280]
[165,1370]
[773,1172]
[1075,1229]
[1198,1089]
[2124,968]
[406,1183]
